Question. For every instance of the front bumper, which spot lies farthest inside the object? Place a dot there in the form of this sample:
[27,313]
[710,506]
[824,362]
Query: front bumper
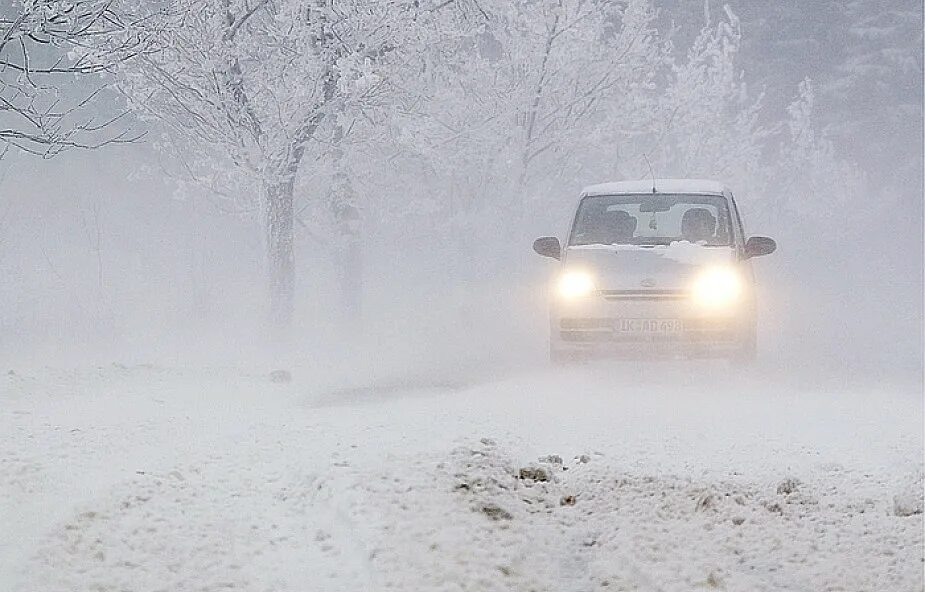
[606,324]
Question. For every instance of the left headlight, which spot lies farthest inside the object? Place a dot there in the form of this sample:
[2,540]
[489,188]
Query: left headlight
[717,288]
[575,284]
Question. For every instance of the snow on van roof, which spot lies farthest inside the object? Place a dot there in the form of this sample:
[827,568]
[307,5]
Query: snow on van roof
[701,186]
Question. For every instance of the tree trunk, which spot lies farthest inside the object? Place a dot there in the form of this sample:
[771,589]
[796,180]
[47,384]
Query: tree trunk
[347,215]
[351,262]
[280,254]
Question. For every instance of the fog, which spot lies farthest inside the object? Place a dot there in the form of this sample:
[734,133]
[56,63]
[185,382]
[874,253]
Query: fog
[101,261]
[349,380]
[111,254]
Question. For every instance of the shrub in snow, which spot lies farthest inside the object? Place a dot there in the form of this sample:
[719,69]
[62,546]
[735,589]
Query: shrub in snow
[281,376]
[908,503]
[788,486]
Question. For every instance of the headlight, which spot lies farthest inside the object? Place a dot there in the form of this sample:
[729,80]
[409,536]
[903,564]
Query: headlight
[717,288]
[575,284]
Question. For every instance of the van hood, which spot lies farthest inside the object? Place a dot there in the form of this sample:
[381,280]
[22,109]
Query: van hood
[634,267]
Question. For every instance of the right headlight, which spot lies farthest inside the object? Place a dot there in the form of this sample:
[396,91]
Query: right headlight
[717,288]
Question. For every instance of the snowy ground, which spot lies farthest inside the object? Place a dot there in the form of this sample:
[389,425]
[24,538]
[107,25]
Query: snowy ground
[602,477]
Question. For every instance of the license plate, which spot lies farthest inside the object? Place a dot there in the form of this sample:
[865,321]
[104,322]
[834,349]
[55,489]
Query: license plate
[649,326]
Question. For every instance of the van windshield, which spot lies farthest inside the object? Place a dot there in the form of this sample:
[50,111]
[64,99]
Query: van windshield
[652,219]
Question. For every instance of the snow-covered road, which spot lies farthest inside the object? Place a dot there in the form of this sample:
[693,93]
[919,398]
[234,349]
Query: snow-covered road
[610,477]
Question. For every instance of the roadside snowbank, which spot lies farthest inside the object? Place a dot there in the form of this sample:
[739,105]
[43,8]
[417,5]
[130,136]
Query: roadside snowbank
[152,479]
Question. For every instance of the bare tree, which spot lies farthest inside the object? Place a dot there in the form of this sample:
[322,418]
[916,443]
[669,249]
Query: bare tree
[521,104]
[246,87]
[46,48]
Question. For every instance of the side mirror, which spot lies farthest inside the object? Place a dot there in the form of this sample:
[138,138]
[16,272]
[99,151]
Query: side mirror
[548,246]
[758,246]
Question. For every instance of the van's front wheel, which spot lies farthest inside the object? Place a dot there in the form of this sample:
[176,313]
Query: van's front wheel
[560,357]
[557,357]
[747,352]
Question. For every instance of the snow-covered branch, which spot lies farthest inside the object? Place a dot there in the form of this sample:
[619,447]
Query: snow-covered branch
[44,45]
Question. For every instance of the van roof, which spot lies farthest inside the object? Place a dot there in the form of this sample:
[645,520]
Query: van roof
[699,186]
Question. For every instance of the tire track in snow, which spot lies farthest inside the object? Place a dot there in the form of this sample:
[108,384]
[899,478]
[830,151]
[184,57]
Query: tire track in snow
[244,517]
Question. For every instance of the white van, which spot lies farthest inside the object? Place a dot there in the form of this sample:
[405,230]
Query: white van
[655,267]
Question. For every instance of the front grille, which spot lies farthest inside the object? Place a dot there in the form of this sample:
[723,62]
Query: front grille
[645,295]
